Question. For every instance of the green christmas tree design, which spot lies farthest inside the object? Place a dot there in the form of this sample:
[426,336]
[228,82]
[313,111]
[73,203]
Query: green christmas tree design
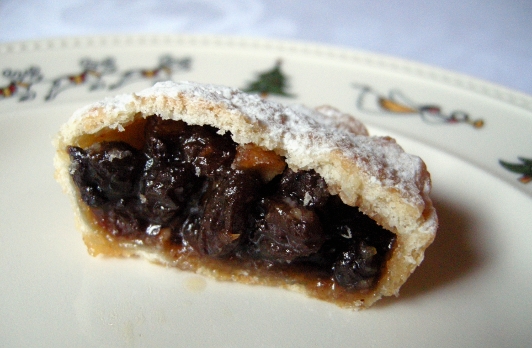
[524,168]
[269,82]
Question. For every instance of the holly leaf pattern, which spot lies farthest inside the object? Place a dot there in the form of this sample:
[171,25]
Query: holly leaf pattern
[524,168]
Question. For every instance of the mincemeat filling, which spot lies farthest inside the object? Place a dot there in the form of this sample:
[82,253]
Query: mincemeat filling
[224,200]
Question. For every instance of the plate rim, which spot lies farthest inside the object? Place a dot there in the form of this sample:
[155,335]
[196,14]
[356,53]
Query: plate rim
[390,63]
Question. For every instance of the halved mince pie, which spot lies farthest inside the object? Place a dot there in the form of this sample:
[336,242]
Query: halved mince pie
[212,180]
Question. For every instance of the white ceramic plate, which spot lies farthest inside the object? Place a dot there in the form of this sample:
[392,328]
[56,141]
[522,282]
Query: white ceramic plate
[473,289]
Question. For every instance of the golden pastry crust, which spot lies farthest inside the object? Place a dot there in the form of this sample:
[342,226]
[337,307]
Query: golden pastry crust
[372,173]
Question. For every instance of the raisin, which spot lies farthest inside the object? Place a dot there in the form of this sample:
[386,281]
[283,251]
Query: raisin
[358,267]
[286,231]
[79,170]
[347,222]
[162,139]
[167,181]
[116,167]
[165,189]
[306,187]
[122,219]
[361,247]
[155,149]
[106,171]
[164,129]
[207,151]
[215,225]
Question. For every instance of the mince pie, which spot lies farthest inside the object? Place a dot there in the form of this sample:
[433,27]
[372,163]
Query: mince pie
[215,181]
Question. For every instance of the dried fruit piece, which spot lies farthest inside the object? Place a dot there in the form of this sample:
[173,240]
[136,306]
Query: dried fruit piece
[286,231]
[265,162]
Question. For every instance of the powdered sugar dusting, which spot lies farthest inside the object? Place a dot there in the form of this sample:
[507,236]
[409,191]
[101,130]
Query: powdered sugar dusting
[298,131]
[307,132]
